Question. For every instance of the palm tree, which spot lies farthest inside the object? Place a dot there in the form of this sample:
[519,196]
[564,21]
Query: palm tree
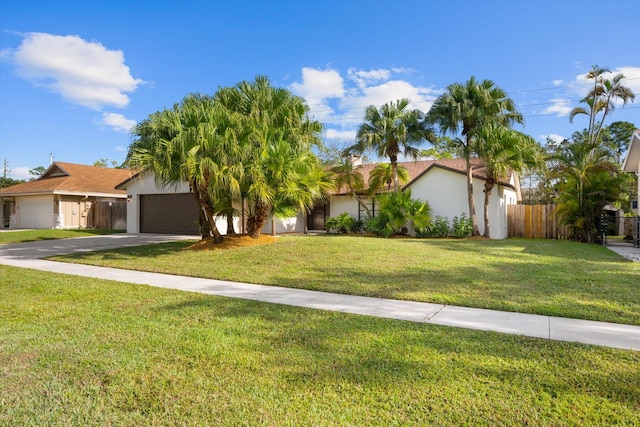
[383,176]
[600,99]
[589,179]
[348,176]
[190,142]
[462,110]
[504,150]
[277,135]
[389,131]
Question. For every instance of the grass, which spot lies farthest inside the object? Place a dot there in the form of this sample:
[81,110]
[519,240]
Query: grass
[77,351]
[35,235]
[557,278]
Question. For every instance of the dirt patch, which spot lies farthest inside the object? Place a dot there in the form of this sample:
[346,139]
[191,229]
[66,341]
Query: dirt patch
[231,241]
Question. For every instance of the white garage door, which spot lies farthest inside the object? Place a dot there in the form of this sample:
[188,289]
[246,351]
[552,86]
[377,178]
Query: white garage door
[35,212]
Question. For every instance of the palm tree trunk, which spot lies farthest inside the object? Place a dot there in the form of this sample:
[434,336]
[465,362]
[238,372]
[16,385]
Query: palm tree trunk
[230,227]
[394,170]
[257,219]
[205,204]
[488,187]
[472,204]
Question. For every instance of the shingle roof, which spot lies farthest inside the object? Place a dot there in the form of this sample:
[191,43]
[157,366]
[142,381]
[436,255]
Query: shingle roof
[70,178]
[418,168]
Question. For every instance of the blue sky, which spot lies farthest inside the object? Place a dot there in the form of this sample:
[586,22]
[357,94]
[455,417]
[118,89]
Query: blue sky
[75,75]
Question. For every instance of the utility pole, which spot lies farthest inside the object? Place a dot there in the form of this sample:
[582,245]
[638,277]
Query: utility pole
[6,168]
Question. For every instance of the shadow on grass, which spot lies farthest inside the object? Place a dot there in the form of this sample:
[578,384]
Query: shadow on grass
[322,347]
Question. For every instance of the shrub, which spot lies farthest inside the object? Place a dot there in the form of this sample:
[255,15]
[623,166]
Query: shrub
[439,228]
[342,223]
[461,227]
[398,212]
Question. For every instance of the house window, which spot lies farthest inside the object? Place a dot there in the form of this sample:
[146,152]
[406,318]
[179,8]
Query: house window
[634,204]
[371,205]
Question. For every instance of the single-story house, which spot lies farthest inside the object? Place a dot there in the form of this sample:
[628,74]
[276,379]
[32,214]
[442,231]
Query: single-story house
[632,164]
[442,183]
[63,197]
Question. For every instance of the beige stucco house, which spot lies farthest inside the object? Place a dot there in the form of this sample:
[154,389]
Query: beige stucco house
[63,197]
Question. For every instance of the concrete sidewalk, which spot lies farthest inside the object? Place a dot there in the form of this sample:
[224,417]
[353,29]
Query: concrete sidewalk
[546,327]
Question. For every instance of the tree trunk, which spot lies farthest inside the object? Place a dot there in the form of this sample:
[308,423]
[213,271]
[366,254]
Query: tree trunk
[472,205]
[394,171]
[273,226]
[230,226]
[488,187]
[257,219]
[204,202]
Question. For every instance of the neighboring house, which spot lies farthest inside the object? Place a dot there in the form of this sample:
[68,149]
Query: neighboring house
[632,164]
[63,197]
[152,209]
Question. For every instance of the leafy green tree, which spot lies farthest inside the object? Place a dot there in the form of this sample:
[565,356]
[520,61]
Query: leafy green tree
[390,130]
[443,147]
[462,110]
[8,182]
[504,150]
[616,137]
[37,172]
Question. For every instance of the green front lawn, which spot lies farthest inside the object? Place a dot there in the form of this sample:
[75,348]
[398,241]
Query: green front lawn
[35,235]
[77,351]
[557,278]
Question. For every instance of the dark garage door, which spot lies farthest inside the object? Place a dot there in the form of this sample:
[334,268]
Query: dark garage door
[169,214]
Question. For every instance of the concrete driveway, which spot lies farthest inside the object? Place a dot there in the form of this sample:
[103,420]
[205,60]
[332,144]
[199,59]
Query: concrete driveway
[47,248]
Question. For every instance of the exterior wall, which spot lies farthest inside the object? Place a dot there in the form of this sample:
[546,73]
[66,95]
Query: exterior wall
[341,204]
[446,193]
[146,185]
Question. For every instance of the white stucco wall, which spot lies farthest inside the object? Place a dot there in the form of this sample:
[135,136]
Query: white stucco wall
[446,192]
[341,204]
[145,184]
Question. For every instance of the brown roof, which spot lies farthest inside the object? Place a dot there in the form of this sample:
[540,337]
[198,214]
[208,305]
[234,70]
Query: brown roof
[70,178]
[420,167]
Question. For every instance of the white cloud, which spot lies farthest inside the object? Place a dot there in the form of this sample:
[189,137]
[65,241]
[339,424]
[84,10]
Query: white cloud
[120,148]
[632,81]
[557,82]
[21,172]
[340,134]
[552,136]
[561,107]
[318,87]
[85,73]
[341,102]
[117,122]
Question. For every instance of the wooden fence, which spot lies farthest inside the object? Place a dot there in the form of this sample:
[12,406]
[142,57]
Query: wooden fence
[108,215]
[534,222]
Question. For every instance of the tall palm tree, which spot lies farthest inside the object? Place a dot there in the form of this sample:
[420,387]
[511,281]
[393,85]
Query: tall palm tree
[504,150]
[601,99]
[462,110]
[390,130]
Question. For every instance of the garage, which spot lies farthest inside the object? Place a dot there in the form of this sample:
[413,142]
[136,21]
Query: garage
[175,213]
[35,212]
